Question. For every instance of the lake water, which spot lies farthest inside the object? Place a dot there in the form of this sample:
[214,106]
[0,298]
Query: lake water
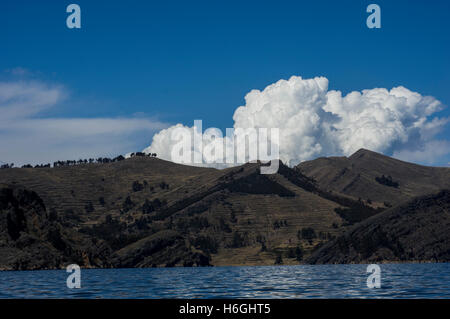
[322,281]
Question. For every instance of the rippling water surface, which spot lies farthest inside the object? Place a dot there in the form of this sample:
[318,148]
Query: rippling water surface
[322,281]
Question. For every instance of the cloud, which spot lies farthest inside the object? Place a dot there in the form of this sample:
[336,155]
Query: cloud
[19,71]
[22,99]
[26,136]
[314,121]
[428,154]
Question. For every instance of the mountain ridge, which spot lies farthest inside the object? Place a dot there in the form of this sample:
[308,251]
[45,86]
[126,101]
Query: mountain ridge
[368,175]
[389,235]
[147,212]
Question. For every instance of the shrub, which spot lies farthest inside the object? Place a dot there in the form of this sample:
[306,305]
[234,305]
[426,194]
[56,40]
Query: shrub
[197,209]
[53,215]
[238,240]
[163,185]
[127,204]
[298,254]
[71,215]
[291,253]
[89,207]
[387,181]
[224,226]
[206,244]
[278,260]
[233,218]
[55,238]
[136,187]
[157,203]
[148,207]
[307,233]
[263,247]
[142,223]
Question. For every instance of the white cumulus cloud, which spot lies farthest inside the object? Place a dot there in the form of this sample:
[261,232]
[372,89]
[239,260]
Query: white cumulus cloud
[314,121]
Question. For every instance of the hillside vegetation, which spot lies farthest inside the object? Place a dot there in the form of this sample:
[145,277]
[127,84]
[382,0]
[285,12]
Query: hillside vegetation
[414,231]
[147,212]
[376,177]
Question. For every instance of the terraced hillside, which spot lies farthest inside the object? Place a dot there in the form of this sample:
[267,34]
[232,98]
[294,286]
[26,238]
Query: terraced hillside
[376,177]
[233,217]
[73,188]
[414,231]
[146,212]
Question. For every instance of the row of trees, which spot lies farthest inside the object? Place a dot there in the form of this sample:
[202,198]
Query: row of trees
[102,160]
[80,161]
[142,154]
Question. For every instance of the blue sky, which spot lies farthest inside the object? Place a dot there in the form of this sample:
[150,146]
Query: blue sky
[176,61]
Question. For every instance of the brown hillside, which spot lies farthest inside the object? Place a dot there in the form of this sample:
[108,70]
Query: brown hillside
[235,216]
[356,176]
[146,212]
[418,230]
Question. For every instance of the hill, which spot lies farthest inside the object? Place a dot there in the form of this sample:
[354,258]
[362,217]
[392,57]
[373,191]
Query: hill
[414,231]
[30,238]
[147,212]
[375,177]
[175,215]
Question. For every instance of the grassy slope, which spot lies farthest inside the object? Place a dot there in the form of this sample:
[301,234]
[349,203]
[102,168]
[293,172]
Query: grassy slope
[252,216]
[417,230]
[355,176]
[217,205]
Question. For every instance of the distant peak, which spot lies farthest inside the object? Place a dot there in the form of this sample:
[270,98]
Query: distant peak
[361,152]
